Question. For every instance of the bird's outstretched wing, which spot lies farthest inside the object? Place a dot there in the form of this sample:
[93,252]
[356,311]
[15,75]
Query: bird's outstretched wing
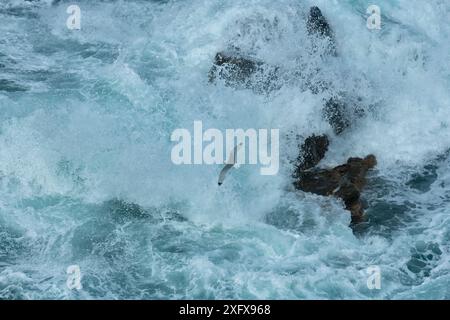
[224,172]
[232,160]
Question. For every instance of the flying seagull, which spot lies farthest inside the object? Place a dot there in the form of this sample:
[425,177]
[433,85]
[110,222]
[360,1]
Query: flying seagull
[229,164]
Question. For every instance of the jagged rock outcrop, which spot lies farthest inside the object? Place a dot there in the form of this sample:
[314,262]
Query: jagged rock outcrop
[341,113]
[311,152]
[241,72]
[244,73]
[318,26]
[345,182]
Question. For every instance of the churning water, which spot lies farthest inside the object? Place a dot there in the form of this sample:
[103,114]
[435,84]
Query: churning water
[85,171]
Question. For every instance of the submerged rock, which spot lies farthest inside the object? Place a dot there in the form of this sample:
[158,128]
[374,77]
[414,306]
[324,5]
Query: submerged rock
[244,73]
[345,182]
[10,86]
[424,258]
[341,113]
[335,112]
[317,25]
[240,68]
[123,212]
[240,72]
[311,152]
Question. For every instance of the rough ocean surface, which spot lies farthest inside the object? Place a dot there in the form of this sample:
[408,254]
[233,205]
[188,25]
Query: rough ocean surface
[86,177]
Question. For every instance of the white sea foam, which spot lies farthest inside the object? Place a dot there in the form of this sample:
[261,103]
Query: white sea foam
[95,124]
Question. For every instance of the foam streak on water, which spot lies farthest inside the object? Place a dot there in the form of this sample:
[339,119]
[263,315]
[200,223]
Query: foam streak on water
[86,177]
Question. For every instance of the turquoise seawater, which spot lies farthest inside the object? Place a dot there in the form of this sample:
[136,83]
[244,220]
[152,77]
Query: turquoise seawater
[86,176]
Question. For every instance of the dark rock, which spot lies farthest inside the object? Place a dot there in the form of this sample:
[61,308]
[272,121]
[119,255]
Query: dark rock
[311,152]
[244,73]
[240,72]
[239,68]
[341,113]
[317,25]
[345,182]
[319,181]
[335,113]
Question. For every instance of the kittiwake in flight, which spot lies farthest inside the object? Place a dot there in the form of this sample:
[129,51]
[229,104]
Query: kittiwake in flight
[229,164]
